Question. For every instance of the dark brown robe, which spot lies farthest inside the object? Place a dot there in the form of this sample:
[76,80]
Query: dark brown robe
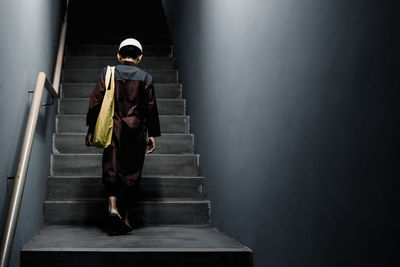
[135,116]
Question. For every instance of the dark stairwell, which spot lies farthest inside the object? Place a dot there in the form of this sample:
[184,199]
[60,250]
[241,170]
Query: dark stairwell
[172,216]
[294,108]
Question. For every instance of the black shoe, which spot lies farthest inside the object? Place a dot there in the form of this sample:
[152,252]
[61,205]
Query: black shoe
[117,226]
[128,227]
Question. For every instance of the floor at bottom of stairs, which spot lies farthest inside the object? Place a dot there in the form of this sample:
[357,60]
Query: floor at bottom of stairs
[161,245]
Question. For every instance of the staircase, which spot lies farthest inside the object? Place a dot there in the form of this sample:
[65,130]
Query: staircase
[171,218]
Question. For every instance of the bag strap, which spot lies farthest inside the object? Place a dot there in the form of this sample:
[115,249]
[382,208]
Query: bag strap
[109,79]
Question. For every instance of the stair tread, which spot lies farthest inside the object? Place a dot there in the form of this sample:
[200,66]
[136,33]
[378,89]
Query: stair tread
[79,106]
[92,74]
[148,238]
[143,176]
[77,123]
[151,71]
[93,83]
[166,134]
[99,40]
[110,50]
[166,144]
[143,212]
[84,90]
[148,46]
[147,155]
[154,164]
[88,98]
[113,57]
[72,115]
[147,200]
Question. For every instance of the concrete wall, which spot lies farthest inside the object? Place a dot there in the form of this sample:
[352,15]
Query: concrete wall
[294,107]
[28,41]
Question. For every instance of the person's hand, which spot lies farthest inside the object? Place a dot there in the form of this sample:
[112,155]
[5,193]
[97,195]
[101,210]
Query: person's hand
[88,140]
[151,144]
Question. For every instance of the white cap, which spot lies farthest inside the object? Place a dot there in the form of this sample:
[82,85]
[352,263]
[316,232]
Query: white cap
[130,41]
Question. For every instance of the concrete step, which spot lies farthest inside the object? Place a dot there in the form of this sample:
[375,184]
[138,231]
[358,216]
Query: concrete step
[145,212]
[83,90]
[113,39]
[111,50]
[92,75]
[63,187]
[100,62]
[79,106]
[154,164]
[166,144]
[77,124]
[151,246]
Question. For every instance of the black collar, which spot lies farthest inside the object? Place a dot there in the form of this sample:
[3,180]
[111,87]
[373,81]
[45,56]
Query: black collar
[124,62]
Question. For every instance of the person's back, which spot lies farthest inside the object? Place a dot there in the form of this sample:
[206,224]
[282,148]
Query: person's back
[134,97]
[135,117]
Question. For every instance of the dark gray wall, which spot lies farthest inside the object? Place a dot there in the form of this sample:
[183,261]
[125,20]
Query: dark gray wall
[294,107]
[28,41]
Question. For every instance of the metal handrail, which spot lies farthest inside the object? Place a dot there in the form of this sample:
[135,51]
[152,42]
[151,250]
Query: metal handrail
[20,178]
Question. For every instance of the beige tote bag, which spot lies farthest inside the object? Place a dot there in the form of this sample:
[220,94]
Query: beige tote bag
[104,125]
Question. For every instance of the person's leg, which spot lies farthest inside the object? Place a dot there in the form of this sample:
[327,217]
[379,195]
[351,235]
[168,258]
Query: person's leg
[111,182]
[112,205]
[116,223]
[114,195]
[118,202]
[129,198]
[133,161]
[126,219]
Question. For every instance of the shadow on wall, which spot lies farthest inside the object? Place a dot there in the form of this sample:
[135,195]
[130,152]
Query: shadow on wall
[294,109]
[13,170]
[28,46]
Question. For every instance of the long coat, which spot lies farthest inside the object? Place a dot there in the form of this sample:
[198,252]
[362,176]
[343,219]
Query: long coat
[135,116]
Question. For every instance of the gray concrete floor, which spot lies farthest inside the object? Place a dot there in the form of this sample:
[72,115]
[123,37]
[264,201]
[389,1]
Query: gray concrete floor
[149,238]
